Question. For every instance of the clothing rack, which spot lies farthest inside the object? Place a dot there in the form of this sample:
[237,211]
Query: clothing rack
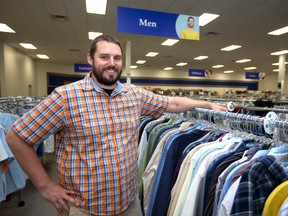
[269,122]
[232,106]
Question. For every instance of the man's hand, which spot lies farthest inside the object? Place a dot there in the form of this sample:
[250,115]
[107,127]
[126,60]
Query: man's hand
[220,108]
[58,196]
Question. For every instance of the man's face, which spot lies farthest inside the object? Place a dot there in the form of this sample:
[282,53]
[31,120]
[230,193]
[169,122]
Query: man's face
[191,23]
[107,63]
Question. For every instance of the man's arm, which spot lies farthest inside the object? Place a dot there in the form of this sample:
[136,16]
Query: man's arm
[28,160]
[183,104]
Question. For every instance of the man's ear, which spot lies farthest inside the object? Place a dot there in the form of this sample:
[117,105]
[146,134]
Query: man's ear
[89,59]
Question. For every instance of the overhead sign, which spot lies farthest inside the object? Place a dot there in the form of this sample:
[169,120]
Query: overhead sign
[200,72]
[153,23]
[255,75]
[82,67]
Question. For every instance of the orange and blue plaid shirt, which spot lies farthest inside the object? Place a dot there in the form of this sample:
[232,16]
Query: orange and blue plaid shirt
[96,139]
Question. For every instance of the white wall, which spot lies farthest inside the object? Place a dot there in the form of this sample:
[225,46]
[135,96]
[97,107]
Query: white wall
[19,75]
[270,83]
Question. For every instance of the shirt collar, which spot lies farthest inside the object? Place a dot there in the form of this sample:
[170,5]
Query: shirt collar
[90,84]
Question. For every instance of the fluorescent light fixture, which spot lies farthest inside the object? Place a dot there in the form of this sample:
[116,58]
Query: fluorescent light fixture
[96,6]
[278,63]
[217,66]
[243,60]
[279,31]
[250,68]
[169,42]
[152,54]
[229,71]
[276,70]
[93,35]
[27,46]
[230,48]
[206,18]
[5,28]
[140,61]
[168,68]
[42,56]
[181,64]
[282,52]
[201,57]
[133,66]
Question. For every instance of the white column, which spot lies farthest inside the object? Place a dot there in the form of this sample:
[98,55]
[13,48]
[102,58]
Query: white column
[128,61]
[282,75]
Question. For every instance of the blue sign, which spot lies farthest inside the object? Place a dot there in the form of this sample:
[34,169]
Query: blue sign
[153,23]
[252,75]
[255,75]
[196,72]
[82,68]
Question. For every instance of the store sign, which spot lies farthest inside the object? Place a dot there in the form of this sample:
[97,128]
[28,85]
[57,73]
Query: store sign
[255,75]
[196,72]
[153,23]
[82,67]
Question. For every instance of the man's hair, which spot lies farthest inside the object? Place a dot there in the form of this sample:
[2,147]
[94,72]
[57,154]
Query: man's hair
[107,38]
[190,18]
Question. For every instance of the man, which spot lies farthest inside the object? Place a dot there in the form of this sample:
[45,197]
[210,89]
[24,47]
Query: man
[190,33]
[96,124]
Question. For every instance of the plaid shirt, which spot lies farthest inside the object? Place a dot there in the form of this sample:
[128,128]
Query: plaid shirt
[96,139]
[255,186]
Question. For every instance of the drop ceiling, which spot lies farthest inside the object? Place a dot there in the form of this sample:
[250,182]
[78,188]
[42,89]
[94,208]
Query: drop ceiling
[59,29]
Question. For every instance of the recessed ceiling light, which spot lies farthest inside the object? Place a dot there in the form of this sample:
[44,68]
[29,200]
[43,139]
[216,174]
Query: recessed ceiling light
[133,66]
[96,7]
[276,70]
[278,63]
[217,66]
[230,48]
[282,52]
[279,31]
[243,60]
[169,42]
[42,56]
[181,64]
[93,35]
[5,28]
[152,54]
[168,68]
[250,68]
[206,18]
[140,61]
[201,57]
[229,71]
[27,46]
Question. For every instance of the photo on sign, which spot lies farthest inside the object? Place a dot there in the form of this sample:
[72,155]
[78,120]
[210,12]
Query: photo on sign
[187,27]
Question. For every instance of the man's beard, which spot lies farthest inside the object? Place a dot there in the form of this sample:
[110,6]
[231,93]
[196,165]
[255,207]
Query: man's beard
[111,80]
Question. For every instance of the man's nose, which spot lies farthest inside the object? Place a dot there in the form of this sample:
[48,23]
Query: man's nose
[111,61]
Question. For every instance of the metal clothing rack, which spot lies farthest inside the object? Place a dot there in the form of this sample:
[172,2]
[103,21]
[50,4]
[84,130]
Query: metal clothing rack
[270,122]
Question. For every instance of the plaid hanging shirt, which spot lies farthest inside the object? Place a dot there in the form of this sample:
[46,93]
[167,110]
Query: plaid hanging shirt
[96,139]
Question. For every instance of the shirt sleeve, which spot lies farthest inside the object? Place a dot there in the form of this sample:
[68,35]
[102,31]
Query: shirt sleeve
[152,104]
[41,121]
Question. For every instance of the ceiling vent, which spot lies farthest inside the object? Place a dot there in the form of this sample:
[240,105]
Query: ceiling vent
[59,18]
[212,34]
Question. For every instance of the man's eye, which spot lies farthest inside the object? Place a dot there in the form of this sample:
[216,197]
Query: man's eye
[118,58]
[105,57]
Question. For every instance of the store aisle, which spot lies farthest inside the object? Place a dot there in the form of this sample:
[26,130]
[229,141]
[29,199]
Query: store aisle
[35,205]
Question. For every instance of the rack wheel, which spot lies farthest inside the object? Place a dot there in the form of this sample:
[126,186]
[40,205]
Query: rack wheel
[21,203]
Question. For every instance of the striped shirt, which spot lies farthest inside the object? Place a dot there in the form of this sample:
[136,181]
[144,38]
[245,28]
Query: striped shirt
[96,139]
